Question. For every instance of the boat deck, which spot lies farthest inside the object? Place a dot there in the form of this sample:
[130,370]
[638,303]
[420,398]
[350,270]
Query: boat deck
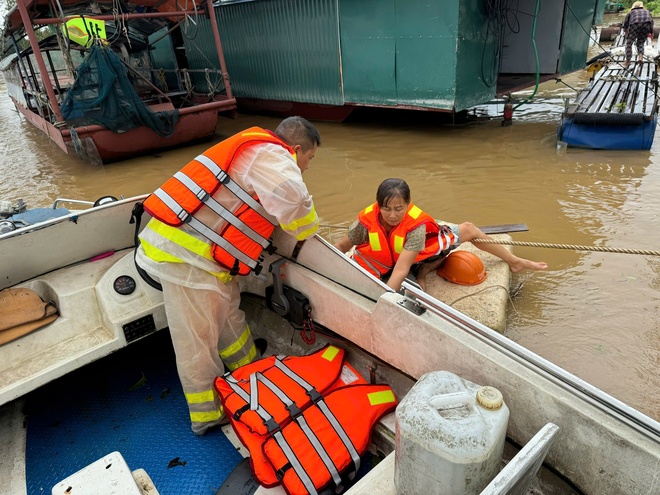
[618,95]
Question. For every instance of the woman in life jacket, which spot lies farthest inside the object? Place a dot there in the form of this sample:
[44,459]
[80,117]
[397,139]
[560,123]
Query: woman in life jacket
[393,239]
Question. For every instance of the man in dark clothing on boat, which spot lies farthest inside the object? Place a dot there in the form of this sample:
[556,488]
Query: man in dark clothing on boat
[637,26]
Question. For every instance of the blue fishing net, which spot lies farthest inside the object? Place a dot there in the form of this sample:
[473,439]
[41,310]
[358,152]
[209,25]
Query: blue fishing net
[103,94]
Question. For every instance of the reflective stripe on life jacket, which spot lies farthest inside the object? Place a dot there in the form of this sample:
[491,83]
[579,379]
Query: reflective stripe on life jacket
[250,389]
[262,398]
[326,441]
[246,232]
[262,469]
[381,252]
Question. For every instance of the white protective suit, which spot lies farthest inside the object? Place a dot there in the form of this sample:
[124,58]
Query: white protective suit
[201,301]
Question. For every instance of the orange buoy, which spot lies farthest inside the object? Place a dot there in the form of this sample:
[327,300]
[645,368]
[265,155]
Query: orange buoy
[463,268]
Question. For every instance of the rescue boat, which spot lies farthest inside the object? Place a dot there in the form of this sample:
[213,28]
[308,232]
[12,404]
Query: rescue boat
[93,394]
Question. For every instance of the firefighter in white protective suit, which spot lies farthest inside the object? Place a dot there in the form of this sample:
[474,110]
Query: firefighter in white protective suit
[211,221]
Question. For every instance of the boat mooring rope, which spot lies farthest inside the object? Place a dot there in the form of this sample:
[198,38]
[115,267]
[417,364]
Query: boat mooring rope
[569,246]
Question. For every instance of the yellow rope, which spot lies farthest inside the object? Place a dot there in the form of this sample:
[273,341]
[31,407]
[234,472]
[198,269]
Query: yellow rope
[569,246]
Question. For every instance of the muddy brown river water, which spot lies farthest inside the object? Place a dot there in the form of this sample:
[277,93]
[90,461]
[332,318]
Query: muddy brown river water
[595,314]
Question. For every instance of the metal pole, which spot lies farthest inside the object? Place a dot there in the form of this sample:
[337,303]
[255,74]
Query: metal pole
[45,78]
[218,47]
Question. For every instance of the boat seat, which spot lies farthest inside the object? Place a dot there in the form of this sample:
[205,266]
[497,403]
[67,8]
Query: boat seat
[517,475]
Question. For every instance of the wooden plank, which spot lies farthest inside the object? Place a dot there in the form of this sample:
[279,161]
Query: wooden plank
[585,97]
[652,98]
[591,95]
[598,100]
[504,228]
[650,88]
[630,96]
[610,98]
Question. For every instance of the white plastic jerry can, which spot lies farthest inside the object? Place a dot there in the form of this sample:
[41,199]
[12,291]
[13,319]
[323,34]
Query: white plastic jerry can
[450,436]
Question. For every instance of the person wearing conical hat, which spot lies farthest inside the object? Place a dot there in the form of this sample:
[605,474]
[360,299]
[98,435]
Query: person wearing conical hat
[637,26]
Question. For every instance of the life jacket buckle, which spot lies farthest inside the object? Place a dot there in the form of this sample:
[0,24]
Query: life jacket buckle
[234,269]
[136,212]
[314,395]
[294,411]
[257,269]
[270,249]
[239,412]
[282,471]
[224,178]
[272,425]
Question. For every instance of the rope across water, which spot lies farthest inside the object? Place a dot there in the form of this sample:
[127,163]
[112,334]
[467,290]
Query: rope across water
[569,246]
[573,247]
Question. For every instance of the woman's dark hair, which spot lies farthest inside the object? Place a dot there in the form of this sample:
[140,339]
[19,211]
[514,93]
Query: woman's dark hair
[298,131]
[390,189]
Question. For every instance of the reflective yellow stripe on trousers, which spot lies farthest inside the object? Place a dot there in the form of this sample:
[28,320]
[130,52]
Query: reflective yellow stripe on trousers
[230,353]
[204,400]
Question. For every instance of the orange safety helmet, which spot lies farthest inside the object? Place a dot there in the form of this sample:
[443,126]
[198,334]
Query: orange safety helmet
[463,267]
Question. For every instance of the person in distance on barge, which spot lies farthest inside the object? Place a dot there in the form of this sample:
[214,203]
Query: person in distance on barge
[637,26]
[394,238]
[196,243]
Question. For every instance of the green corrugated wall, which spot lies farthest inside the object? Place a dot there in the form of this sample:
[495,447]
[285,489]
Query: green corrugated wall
[416,53]
[283,50]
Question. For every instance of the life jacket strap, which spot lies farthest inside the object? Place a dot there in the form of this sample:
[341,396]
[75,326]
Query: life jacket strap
[172,204]
[313,394]
[282,471]
[290,405]
[266,417]
[252,399]
[320,450]
[136,218]
[371,263]
[220,210]
[237,190]
[342,434]
[295,463]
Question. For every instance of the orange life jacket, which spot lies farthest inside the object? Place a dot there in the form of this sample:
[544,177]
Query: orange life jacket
[262,398]
[247,232]
[324,443]
[381,252]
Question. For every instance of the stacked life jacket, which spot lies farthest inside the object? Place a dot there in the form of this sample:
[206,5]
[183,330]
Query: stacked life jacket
[247,231]
[305,420]
[381,252]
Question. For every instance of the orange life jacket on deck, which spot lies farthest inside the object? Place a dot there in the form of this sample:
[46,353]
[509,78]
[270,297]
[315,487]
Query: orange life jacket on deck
[326,441]
[381,252]
[263,398]
[247,232]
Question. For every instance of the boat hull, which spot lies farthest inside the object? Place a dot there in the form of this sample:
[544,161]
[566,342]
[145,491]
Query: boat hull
[197,123]
[608,137]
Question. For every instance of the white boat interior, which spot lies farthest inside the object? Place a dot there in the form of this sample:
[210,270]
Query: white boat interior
[83,260]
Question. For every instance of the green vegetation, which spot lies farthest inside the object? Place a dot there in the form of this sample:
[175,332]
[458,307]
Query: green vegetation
[652,6]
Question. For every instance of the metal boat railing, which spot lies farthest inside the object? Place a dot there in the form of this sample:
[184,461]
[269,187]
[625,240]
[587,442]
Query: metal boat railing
[569,382]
